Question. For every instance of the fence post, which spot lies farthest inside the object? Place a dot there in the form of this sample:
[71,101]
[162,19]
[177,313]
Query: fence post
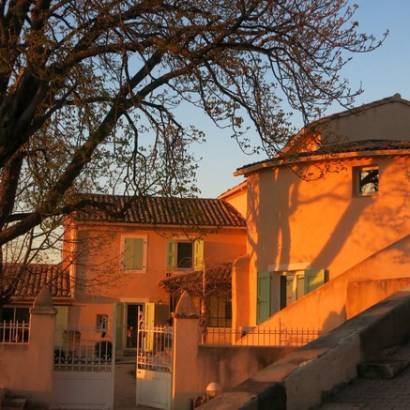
[185,350]
[41,347]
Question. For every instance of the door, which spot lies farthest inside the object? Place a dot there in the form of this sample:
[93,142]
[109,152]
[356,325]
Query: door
[133,317]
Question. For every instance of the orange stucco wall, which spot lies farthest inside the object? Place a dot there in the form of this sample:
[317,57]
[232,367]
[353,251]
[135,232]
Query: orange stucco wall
[238,198]
[99,274]
[309,216]
[363,294]
[328,306]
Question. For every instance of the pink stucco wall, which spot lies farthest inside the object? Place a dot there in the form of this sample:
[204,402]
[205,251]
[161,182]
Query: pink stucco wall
[27,369]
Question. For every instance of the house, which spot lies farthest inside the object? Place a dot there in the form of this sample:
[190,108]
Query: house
[26,281]
[121,248]
[332,207]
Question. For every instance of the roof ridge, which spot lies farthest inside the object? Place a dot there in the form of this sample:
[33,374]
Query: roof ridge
[160,210]
[393,98]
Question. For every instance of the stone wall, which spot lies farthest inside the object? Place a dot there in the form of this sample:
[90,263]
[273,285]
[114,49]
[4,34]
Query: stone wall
[195,365]
[299,380]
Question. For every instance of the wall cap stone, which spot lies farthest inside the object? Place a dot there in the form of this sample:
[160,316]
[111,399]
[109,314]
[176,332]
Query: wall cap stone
[43,303]
[185,309]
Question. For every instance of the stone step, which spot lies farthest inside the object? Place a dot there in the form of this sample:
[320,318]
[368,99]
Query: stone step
[13,403]
[383,369]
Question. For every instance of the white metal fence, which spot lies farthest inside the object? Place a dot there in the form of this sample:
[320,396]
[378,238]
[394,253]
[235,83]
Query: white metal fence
[84,358]
[154,367]
[14,332]
[83,349]
[154,348]
[259,336]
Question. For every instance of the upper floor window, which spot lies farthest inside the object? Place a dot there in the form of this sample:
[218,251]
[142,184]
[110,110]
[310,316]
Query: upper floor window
[184,254]
[134,254]
[367,180]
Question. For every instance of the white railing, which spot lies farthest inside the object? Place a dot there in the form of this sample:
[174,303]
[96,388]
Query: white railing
[83,349]
[14,332]
[259,336]
[154,348]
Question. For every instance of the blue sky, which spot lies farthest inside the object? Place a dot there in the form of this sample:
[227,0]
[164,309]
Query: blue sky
[382,73]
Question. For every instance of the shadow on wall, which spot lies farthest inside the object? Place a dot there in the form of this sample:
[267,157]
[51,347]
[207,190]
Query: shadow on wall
[308,214]
[333,320]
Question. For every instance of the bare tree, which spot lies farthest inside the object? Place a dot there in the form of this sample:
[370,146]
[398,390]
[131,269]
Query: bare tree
[90,89]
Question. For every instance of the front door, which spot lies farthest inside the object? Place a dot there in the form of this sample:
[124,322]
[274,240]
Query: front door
[133,317]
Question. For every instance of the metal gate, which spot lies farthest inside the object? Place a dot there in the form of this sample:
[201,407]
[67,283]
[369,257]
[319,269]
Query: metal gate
[154,367]
[83,376]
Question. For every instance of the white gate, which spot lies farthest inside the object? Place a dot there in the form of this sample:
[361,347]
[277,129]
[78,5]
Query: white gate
[154,367]
[83,375]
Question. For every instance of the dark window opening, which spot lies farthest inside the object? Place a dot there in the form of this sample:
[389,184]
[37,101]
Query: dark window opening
[184,254]
[134,318]
[368,181]
[15,314]
[219,311]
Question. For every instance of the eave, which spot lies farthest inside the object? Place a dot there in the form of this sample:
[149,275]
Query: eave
[297,159]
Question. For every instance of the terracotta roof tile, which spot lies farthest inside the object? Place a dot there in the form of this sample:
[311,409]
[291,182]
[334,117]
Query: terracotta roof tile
[37,275]
[159,211]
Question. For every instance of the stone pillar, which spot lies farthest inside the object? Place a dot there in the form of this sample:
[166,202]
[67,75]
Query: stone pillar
[41,348]
[185,351]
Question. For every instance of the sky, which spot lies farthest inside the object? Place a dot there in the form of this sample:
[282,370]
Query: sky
[382,73]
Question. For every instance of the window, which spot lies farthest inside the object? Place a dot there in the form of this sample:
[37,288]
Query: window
[296,284]
[15,314]
[279,289]
[102,323]
[219,311]
[218,308]
[185,255]
[134,254]
[367,181]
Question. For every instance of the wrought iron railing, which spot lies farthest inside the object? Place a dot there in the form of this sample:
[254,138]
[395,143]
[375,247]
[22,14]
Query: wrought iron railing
[259,336]
[14,332]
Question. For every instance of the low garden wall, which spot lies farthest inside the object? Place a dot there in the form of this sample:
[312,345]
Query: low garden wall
[299,380]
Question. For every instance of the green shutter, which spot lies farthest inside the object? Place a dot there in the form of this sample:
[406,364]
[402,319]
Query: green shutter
[313,279]
[263,301]
[134,253]
[119,323]
[171,255]
[149,323]
[139,253]
[198,254]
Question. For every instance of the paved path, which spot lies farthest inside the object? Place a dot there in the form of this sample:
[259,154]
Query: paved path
[365,394]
